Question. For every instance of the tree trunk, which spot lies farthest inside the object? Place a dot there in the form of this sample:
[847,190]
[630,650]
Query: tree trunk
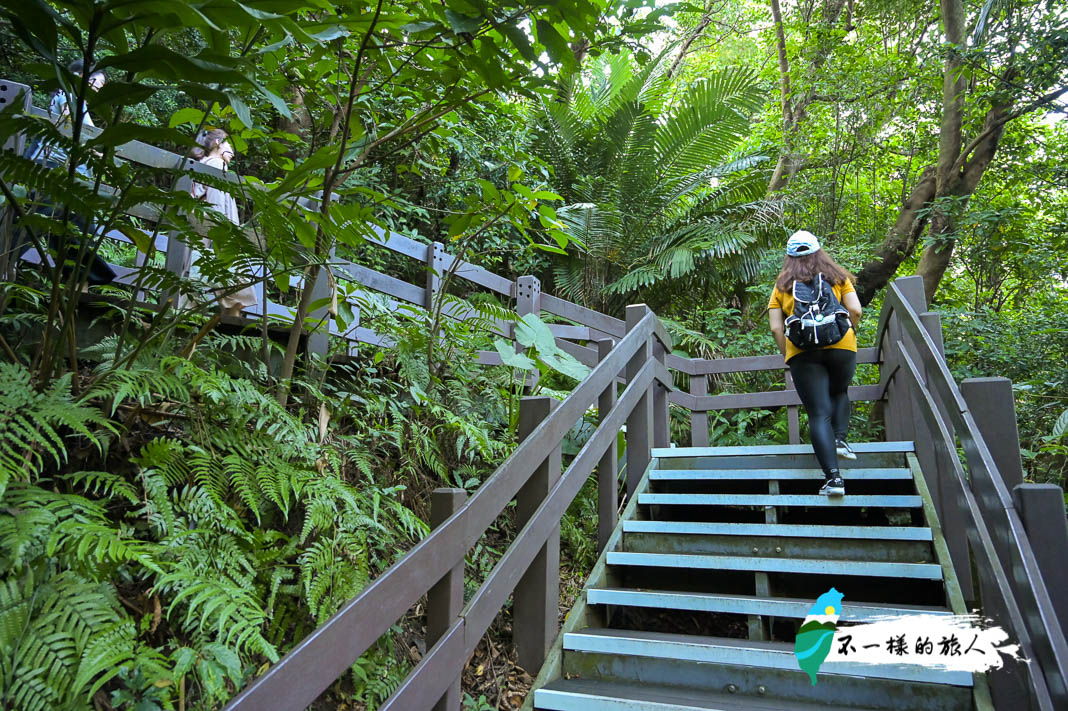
[301,122]
[900,242]
[794,112]
[685,49]
[935,259]
[961,178]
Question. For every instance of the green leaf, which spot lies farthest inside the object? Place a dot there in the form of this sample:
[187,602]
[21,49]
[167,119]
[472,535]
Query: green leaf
[489,191]
[139,238]
[1060,427]
[226,657]
[121,93]
[555,45]
[240,108]
[460,224]
[531,331]
[305,233]
[344,315]
[565,363]
[188,115]
[417,27]
[184,658]
[462,23]
[319,160]
[510,357]
[519,38]
[35,22]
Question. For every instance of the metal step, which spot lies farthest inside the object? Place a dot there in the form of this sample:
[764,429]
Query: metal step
[889,501]
[781,547]
[924,571]
[749,450]
[805,474]
[745,604]
[593,695]
[765,655]
[881,533]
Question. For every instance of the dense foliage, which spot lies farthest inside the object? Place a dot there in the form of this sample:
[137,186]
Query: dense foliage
[182,500]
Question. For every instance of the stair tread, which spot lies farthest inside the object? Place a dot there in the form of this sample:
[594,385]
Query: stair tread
[799,473]
[927,571]
[816,500]
[747,604]
[766,449]
[721,650]
[575,694]
[904,533]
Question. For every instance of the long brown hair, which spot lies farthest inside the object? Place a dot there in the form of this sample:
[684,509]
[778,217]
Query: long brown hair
[807,266]
[208,141]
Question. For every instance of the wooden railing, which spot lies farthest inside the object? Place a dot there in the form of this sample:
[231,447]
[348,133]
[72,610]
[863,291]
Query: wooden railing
[984,530]
[530,565]
[981,520]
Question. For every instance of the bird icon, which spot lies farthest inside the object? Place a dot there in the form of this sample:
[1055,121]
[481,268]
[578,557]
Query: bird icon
[816,635]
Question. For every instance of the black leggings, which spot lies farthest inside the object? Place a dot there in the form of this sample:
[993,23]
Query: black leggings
[822,380]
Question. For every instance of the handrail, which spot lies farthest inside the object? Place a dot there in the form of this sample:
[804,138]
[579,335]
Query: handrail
[146,154]
[420,689]
[319,659]
[979,536]
[989,503]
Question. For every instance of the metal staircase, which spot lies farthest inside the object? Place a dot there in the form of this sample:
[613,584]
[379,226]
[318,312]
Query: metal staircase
[699,593]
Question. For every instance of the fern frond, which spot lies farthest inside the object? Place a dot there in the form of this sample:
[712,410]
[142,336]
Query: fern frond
[31,422]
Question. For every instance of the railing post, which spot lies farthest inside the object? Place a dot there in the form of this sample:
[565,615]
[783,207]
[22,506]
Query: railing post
[890,376]
[527,295]
[178,252]
[527,301]
[319,318]
[900,420]
[353,342]
[699,420]
[535,608]
[793,420]
[1041,508]
[446,599]
[10,100]
[608,467]
[661,408]
[991,402]
[640,420]
[435,267]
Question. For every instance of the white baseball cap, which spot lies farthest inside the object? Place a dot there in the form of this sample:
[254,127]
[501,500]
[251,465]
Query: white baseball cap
[802,243]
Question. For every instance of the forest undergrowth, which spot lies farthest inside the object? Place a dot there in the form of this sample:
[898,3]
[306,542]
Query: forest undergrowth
[168,529]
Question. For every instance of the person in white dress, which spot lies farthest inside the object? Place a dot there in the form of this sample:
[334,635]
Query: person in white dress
[215,150]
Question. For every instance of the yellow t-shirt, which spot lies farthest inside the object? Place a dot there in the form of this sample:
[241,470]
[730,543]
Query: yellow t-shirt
[785,301]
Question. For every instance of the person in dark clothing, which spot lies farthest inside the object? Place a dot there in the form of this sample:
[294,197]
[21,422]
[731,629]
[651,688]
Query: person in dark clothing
[821,375]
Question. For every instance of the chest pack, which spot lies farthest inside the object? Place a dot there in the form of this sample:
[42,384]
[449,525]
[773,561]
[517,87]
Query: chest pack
[818,319]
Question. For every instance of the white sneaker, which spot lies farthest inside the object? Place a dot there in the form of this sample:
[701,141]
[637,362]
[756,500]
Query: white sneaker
[833,487]
[844,450]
